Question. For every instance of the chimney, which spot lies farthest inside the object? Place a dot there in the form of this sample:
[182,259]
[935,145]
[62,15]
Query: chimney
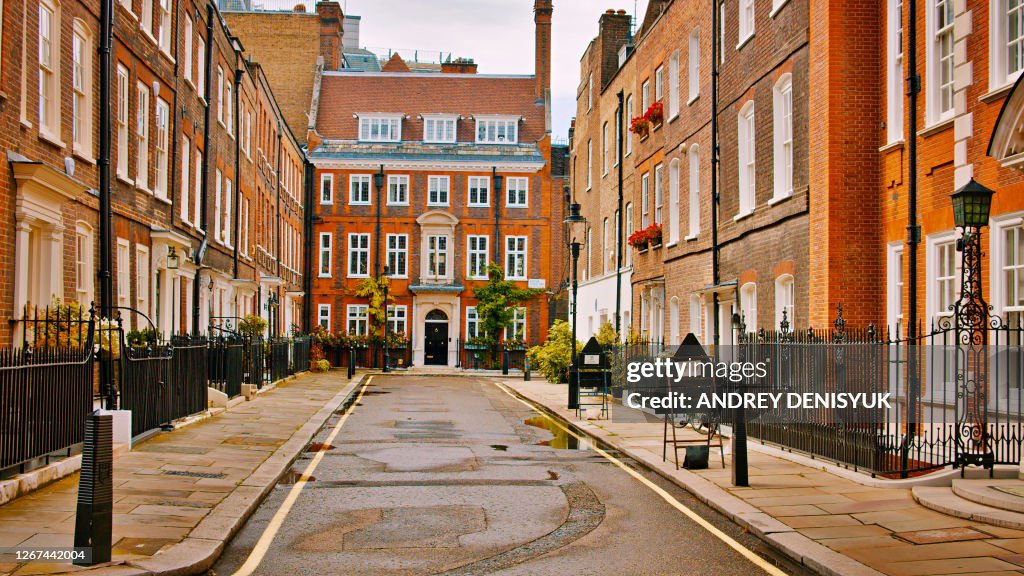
[350,34]
[614,34]
[459,66]
[330,33]
[542,18]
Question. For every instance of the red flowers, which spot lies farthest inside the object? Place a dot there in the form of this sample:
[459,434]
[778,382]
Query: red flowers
[655,114]
[641,125]
[650,236]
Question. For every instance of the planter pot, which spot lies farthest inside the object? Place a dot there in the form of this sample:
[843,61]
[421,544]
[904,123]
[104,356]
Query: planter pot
[641,247]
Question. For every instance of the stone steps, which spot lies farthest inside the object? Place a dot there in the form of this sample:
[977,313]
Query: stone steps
[948,501]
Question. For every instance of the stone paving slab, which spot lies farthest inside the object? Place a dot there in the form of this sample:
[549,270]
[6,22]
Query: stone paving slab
[177,524]
[828,522]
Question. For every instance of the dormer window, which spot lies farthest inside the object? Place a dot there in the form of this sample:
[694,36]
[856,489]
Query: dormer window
[497,130]
[439,129]
[380,127]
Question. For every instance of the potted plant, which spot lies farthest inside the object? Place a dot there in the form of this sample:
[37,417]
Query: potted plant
[655,114]
[640,126]
[654,234]
[638,240]
[514,344]
[478,343]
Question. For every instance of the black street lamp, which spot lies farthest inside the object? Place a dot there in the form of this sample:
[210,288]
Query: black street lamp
[271,306]
[378,183]
[574,220]
[972,319]
[387,355]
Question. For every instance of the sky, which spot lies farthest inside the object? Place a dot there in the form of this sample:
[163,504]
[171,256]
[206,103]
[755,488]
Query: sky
[497,34]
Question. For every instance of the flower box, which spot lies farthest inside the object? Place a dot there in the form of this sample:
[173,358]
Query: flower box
[655,114]
[640,126]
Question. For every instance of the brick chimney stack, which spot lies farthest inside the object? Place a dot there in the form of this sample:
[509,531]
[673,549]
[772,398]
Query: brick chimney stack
[614,34]
[459,66]
[542,10]
[330,33]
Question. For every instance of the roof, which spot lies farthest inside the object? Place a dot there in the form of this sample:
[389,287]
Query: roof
[346,94]
[362,60]
[527,156]
[395,64]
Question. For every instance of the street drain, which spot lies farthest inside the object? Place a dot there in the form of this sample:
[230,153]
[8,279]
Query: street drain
[195,474]
[499,447]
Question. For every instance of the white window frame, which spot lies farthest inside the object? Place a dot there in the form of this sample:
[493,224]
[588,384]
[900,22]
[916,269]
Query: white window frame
[82,90]
[693,155]
[357,319]
[645,96]
[645,200]
[477,186]
[164,33]
[220,94]
[721,31]
[163,153]
[659,193]
[121,119]
[938,277]
[782,111]
[785,299]
[228,201]
[673,85]
[934,112]
[894,287]
[747,147]
[398,319]
[49,73]
[894,71]
[478,255]
[1000,45]
[380,127]
[518,325]
[673,321]
[358,255]
[472,323]
[201,67]
[696,309]
[398,190]
[187,63]
[516,257]
[489,130]
[124,287]
[748,304]
[197,195]
[84,270]
[590,163]
[438,261]
[517,192]
[218,215]
[397,252]
[590,92]
[693,61]
[440,128]
[326,189]
[143,272]
[674,178]
[998,269]
[438,186]
[142,137]
[604,149]
[659,84]
[746,22]
[359,184]
[629,118]
[323,316]
[186,173]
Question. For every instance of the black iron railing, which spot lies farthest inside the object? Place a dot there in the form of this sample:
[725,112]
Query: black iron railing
[226,365]
[276,360]
[146,386]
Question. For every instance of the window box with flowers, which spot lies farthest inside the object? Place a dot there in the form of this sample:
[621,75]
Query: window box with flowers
[655,114]
[638,240]
[653,233]
[640,126]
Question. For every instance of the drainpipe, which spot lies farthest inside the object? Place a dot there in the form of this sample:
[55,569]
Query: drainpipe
[238,171]
[204,213]
[376,240]
[715,271]
[106,258]
[495,184]
[913,230]
[307,256]
[278,227]
[618,235]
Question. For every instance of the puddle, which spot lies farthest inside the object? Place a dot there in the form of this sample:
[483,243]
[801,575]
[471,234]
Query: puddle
[562,439]
[318,447]
[292,477]
[499,447]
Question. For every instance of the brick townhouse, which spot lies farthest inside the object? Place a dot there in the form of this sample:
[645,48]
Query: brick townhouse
[434,175]
[190,116]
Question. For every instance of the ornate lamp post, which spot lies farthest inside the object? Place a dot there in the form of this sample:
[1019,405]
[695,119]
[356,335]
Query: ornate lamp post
[387,355]
[972,319]
[378,183]
[271,306]
[575,222]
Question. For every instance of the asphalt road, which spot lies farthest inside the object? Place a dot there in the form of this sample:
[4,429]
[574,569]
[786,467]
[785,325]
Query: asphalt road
[433,475]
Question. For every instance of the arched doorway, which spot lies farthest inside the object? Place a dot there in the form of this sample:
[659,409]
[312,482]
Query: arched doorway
[435,342]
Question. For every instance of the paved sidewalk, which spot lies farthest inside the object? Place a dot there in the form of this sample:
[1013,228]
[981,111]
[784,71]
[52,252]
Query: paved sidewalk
[179,496]
[831,524]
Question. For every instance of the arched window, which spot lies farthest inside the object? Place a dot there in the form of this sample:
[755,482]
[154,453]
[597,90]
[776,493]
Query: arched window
[694,196]
[785,300]
[81,85]
[673,202]
[673,321]
[748,305]
[695,312]
[747,159]
[782,98]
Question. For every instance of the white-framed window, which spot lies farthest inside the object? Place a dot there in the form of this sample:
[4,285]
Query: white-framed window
[673,85]
[359,189]
[186,168]
[398,254]
[590,243]
[894,71]
[943,272]
[516,330]
[695,314]
[694,64]
[746,22]
[124,286]
[604,149]
[721,31]
[247,134]
[517,192]
[659,193]
[645,95]
[645,200]
[81,84]
[398,190]
[358,319]
[142,137]
[590,163]
[228,200]
[472,323]
[201,66]
[398,319]
[327,188]
[229,107]
[659,84]
[497,130]
[939,81]
[326,240]
[1006,32]
[479,191]
[437,256]
[627,222]
[515,258]
[164,19]
[163,136]
[1008,270]
[142,273]
[220,95]
[49,69]
[323,316]
[84,275]
[673,320]
[439,129]
[438,190]
[673,201]
[629,118]
[197,192]
[187,63]
[358,255]
[748,305]
[590,92]
[694,192]
[478,250]
[782,112]
[380,128]
[894,292]
[747,156]
[244,230]
[785,300]
[122,121]
[146,17]
[218,213]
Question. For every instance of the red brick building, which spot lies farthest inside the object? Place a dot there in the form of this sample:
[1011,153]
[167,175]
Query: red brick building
[434,175]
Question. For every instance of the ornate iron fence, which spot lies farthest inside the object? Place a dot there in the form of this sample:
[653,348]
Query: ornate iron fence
[226,365]
[276,360]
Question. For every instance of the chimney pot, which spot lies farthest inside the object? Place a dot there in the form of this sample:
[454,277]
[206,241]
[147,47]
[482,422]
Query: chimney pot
[299,8]
[610,11]
[621,12]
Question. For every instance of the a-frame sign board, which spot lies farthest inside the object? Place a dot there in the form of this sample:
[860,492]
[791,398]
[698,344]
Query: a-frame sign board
[593,371]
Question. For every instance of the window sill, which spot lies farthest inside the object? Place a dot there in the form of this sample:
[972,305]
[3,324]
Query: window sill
[488,205]
[778,8]
[358,276]
[358,203]
[77,153]
[936,128]
[128,11]
[894,145]
[739,217]
[397,204]
[322,203]
[188,81]
[516,206]
[46,136]
[144,190]
[125,179]
[438,205]
[324,276]
[995,93]
[779,199]
[163,199]
[167,56]
[26,123]
[672,244]
[693,99]
[148,35]
[691,238]
[744,41]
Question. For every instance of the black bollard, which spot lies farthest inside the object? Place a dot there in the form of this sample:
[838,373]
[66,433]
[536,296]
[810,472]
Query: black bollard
[504,363]
[93,517]
[526,369]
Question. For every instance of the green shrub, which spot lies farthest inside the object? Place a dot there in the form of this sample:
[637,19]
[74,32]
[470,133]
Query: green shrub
[554,356]
[607,335]
[252,326]
[322,365]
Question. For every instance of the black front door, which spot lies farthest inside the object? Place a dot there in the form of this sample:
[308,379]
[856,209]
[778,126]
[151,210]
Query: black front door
[435,349]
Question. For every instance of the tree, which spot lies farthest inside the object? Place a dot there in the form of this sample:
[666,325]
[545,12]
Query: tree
[553,358]
[607,335]
[373,289]
[497,301]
